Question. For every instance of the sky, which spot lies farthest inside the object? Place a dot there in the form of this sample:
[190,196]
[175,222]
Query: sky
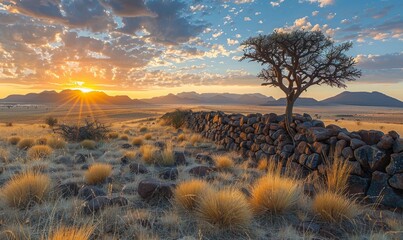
[151,48]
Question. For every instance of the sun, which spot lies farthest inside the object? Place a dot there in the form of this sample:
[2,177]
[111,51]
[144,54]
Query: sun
[81,87]
[84,89]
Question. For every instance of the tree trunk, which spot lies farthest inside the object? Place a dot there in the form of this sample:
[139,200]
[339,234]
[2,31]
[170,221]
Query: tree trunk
[288,118]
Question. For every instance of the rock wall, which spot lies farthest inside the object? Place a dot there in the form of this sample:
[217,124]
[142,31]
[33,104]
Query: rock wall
[376,158]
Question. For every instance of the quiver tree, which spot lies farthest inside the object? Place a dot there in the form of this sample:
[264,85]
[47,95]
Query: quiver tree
[294,61]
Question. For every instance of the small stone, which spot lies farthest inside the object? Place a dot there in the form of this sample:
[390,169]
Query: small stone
[90,192]
[64,160]
[124,160]
[137,168]
[201,171]
[85,166]
[96,204]
[151,188]
[204,158]
[126,146]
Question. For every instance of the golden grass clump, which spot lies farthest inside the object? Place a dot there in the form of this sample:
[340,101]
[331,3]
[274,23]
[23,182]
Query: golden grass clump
[14,140]
[187,194]
[25,189]
[225,209]
[337,173]
[56,143]
[131,155]
[4,155]
[148,136]
[167,156]
[113,135]
[262,165]
[223,162]
[334,207]
[124,137]
[39,152]
[182,137]
[275,194]
[195,139]
[149,153]
[88,144]
[138,141]
[41,141]
[25,143]
[72,233]
[97,173]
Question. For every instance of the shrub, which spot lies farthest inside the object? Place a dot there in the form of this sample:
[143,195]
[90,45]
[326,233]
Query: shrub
[195,139]
[275,194]
[25,143]
[137,141]
[97,173]
[223,162]
[176,118]
[148,153]
[39,152]
[51,121]
[187,194]
[225,209]
[334,207]
[14,140]
[25,189]
[124,137]
[41,141]
[56,143]
[91,130]
[9,124]
[72,233]
[88,144]
[113,135]
[148,136]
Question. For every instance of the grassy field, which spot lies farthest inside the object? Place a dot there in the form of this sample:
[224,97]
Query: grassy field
[233,201]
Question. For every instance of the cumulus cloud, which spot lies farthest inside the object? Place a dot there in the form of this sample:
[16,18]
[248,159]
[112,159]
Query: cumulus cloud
[232,42]
[247,19]
[276,3]
[315,13]
[386,68]
[322,3]
[128,8]
[304,23]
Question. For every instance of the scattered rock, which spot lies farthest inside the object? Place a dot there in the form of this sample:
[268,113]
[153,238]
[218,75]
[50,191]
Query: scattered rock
[85,166]
[90,192]
[137,168]
[126,146]
[204,158]
[151,188]
[344,136]
[94,205]
[201,171]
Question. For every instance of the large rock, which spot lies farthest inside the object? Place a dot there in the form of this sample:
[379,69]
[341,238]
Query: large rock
[201,171]
[396,164]
[398,145]
[344,136]
[340,145]
[90,192]
[355,168]
[380,189]
[356,143]
[347,153]
[317,134]
[370,137]
[313,161]
[371,158]
[320,148]
[67,190]
[386,142]
[151,188]
[396,181]
[357,185]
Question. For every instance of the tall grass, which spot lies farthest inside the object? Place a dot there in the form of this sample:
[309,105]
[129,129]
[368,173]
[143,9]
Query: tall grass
[72,233]
[39,152]
[97,173]
[187,194]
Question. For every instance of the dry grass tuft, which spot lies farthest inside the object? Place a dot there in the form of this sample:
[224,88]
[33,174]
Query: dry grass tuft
[25,189]
[39,152]
[167,156]
[337,173]
[225,209]
[334,207]
[97,173]
[56,143]
[195,139]
[124,137]
[262,165]
[4,155]
[275,194]
[187,194]
[113,135]
[14,140]
[131,155]
[149,153]
[223,162]
[138,141]
[148,136]
[88,144]
[72,233]
[41,141]
[25,143]
[182,137]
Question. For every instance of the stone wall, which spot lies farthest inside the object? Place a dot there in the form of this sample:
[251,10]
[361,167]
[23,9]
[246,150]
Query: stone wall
[376,158]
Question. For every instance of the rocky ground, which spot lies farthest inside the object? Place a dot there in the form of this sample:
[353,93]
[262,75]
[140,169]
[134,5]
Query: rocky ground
[137,198]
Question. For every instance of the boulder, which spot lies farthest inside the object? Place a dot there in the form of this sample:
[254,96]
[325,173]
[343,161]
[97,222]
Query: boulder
[201,171]
[94,205]
[313,161]
[79,158]
[137,168]
[398,146]
[151,188]
[204,158]
[301,147]
[355,168]
[396,164]
[380,189]
[344,136]
[90,192]
[347,153]
[356,143]
[126,146]
[396,181]
[370,137]
[340,145]
[318,134]
[371,158]
[386,142]
[320,148]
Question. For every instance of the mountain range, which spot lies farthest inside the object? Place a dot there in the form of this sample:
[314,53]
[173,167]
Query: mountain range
[344,98]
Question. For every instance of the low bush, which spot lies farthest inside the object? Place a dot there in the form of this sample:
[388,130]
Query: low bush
[138,141]
[39,152]
[41,141]
[223,162]
[113,135]
[26,189]
[51,121]
[148,136]
[91,130]
[167,157]
[149,153]
[56,143]
[334,207]
[124,137]
[176,118]
[195,139]
[97,173]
